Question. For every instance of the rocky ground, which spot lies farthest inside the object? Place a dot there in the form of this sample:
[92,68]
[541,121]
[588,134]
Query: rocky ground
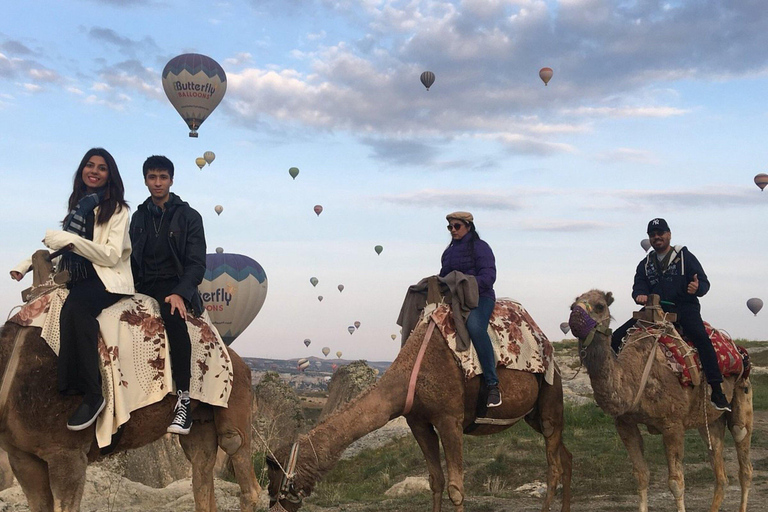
[107,491]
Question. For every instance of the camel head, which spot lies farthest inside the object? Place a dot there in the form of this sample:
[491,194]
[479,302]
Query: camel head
[289,481]
[590,314]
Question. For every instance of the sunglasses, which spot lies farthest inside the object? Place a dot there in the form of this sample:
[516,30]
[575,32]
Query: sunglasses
[456,226]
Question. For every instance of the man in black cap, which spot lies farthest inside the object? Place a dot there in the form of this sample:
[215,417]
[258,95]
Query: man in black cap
[678,278]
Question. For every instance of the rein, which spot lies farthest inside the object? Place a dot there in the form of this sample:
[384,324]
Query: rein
[416,367]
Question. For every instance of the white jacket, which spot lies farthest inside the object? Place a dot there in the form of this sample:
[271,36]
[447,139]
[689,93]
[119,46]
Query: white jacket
[110,250]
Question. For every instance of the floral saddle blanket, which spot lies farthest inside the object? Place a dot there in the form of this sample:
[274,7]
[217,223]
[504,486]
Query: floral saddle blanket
[518,343]
[683,358]
[134,356]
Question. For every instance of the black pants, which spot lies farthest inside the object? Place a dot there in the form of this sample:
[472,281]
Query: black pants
[78,371]
[689,318]
[176,327]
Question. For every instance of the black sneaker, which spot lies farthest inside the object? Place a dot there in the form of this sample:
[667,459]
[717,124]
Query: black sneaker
[719,401]
[86,413]
[494,397]
[182,422]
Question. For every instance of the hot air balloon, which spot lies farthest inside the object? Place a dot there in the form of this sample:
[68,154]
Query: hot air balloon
[320,298]
[219,250]
[545,74]
[200,161]
[351,329]
[645,244]
[293,171]
[338,354]
[302,364]
[195,85]
[334,366]
[378,249]
[341,288]
[761,180]
[427,78]
[755,305]
[319,364]
[565,327]
[209,156]
[233,291]
[357,325]
[313,280]
[218,209]
[307,342]
[318,209]
[393,336]
[326,351]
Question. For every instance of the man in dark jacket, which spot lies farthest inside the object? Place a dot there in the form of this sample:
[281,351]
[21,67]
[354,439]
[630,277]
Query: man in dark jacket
[677,277]
[168,262]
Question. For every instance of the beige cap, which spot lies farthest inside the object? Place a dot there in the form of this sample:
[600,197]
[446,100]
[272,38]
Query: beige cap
[462,216]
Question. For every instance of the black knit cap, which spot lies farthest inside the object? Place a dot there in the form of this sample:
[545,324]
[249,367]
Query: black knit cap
[658,224]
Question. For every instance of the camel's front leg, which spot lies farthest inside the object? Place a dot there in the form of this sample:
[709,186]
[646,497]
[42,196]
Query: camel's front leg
[674,445]
[66,472]
[430,446]
[200,448]
[716,435]
[740,425]
[32,474]
[234,434]
[633,441]
[451,434]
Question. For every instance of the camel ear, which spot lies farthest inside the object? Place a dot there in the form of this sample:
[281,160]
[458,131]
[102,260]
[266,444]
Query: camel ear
[609,298]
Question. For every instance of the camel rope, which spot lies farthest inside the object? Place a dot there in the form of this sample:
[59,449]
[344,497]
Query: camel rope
[416,367]
[706,419]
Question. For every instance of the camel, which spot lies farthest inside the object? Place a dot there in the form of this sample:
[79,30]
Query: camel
[665,407]
[443,405]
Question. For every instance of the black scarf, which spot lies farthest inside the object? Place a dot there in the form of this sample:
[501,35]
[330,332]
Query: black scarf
[76,223]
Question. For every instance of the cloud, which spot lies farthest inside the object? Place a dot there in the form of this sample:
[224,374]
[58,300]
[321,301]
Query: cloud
[525,145]
[626,111]
[126,45]
[627,155]
[239,59]
[132,76]
[468,199]
[560,225]
[402,152]
[16,48]
[715,197]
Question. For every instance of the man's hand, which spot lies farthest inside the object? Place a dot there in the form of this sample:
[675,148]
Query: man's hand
[177,304]
[15,274]
[641,299]
[693,286]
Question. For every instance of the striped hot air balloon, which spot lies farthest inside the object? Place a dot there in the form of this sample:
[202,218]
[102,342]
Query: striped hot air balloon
[233,290]
[427,78]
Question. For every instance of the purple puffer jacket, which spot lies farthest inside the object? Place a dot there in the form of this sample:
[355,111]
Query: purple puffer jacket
[457,256]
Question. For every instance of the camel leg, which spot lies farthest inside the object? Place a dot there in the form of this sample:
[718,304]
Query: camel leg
[451,434]
[740,425]
[547,419]
[716,437]
[430,446]
[200,448]
[633,441]
[236,442]
[32,474]
[66,472]
[674,446]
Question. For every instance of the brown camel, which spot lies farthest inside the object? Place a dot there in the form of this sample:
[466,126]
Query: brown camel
[49,461]
[444,405]
[665,407]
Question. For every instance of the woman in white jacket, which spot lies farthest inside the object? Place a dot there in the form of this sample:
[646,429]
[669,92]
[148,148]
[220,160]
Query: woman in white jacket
[100,274]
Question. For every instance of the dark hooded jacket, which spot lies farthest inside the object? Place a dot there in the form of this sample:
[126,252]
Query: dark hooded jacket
[475,261]
[186,239]
[671,284]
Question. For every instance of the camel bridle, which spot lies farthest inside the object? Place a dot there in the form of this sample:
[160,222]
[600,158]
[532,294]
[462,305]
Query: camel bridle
[584,325]
[287,490]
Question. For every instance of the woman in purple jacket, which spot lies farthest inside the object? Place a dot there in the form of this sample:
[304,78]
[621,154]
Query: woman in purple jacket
[470,255]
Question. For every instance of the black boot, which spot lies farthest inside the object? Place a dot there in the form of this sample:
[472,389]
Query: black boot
[718,398]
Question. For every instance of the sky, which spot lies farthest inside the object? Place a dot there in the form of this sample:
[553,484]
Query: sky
[655,109]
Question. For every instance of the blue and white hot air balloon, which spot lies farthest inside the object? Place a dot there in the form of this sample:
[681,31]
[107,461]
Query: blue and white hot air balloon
[233,291]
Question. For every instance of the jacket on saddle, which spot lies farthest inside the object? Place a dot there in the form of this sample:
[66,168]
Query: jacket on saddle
[457,289]
[186,239]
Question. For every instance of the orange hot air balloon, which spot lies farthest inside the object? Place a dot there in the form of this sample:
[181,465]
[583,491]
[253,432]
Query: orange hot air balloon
[761,180]
[546,75]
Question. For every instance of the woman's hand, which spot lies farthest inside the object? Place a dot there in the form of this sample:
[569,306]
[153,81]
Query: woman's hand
[15,274]
[55,240]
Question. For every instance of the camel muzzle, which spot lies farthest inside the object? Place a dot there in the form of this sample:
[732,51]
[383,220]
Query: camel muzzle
[580,322]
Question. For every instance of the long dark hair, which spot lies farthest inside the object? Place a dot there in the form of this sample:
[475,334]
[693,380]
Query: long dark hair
[113,199]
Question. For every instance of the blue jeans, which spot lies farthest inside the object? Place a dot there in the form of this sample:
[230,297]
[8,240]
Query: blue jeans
[477,325]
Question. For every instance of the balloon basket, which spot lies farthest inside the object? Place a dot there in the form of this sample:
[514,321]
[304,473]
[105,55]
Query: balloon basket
[193,134]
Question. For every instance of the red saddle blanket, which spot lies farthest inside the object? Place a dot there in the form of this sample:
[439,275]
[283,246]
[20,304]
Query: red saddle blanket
[730,357]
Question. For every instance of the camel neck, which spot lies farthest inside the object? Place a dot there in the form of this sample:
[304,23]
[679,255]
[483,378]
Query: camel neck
[606,376]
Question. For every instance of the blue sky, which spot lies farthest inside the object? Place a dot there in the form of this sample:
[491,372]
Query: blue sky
[655,109]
